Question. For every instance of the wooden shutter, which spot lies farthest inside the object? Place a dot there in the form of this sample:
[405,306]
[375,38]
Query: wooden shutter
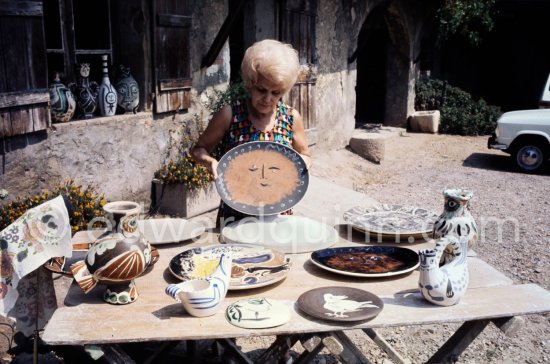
[297,27]
[24,95]
[172,55]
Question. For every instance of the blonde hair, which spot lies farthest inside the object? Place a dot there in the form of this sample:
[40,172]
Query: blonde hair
[278,62]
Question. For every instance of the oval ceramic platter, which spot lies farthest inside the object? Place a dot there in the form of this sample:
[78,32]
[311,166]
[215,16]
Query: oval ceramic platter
[287,233]
[366,261]
[167,230]
[253,265]
[397,222]
[340,304]
[262,178]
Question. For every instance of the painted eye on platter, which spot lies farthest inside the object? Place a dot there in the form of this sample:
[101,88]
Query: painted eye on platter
[253,168]
[274,169]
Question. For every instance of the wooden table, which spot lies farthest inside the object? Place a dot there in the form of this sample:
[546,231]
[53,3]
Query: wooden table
[155,317]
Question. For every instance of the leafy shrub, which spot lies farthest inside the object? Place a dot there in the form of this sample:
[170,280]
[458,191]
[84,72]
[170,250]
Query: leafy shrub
[86,202]
[460,113]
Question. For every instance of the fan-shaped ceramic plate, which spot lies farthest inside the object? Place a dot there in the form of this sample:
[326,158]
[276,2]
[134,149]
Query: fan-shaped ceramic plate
[395,222]
[165,231]
[257,313]
[286,233]
[366,261]
[262,178]
[340,304]
[253,265]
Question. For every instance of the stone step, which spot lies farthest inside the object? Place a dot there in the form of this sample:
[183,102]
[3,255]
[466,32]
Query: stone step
[369,141]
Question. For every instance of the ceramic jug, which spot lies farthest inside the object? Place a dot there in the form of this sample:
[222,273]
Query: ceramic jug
[444,285]
[62,101]
[85,92]
[117,257]
[107,98]
[127,91]
[456,219]
[202,297]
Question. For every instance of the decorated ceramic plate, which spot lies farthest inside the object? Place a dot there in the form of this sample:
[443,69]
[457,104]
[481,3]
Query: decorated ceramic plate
[366,261]
[262,178]
[62,265]
[289,234]
[340,304]
[392,221]
[257,313]
[164,231]
[253,265]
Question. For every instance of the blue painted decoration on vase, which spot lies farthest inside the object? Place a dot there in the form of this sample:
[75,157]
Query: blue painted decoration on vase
[107,94]
[85,92]
[62,101]
[127,90]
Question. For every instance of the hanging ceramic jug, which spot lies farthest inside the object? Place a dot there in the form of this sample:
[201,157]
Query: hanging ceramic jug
[107,98]
[85,92]
[62,101]
[127,91]
[203,296]
[117,257]
[444,285]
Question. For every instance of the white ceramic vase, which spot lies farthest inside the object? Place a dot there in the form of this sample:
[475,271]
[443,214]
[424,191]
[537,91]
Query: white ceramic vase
[203,297]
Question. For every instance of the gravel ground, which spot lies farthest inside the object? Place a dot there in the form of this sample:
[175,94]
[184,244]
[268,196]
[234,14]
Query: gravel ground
[416,169]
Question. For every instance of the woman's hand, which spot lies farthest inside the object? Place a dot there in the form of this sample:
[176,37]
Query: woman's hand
[201,155]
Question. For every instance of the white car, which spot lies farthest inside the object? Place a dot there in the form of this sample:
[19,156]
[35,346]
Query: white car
[524,134]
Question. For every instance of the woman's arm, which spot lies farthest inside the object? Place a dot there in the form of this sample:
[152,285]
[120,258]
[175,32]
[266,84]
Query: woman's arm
[212,135]
[299,142]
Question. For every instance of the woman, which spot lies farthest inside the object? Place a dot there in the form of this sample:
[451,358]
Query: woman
[269,70]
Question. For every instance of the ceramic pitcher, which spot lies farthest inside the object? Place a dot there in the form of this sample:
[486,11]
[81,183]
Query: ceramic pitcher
[117,257]
[444,285]
[203,297]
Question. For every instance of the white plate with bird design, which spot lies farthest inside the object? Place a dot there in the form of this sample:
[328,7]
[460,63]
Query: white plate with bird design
[392,222]
[335,303]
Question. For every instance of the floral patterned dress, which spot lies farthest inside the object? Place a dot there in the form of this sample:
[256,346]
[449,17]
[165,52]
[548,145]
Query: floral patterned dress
[242,131]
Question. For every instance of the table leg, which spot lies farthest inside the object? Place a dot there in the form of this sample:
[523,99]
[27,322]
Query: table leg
[236,354]
[278,349]
[384,345]
[456,344]
[338,343]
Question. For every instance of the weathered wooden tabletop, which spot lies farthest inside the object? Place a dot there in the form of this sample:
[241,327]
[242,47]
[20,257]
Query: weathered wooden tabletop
[86,319]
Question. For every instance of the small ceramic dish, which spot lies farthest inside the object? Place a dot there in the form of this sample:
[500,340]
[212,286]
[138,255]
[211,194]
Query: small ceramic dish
[257,313]
[340,304]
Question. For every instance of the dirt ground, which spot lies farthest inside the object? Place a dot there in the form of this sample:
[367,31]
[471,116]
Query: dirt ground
[415,170]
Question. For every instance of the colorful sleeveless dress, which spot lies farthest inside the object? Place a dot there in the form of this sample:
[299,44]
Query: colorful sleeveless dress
[242,131]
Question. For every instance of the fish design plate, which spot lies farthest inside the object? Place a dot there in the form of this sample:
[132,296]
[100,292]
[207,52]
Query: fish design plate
[262,178]
[336,303]
[366,261]
[392,222]
[253,265]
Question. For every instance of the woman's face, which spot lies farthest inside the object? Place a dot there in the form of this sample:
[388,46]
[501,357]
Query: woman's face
[265,95]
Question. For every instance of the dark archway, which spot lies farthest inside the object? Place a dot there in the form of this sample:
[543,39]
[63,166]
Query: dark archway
[371,69]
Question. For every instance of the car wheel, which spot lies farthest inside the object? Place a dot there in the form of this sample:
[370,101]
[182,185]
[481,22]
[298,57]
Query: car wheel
[529,157]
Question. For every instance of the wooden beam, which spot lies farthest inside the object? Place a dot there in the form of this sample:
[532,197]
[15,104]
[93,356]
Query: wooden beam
[451,350]
[222,35]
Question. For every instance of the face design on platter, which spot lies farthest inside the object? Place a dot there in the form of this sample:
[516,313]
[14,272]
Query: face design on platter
[264,95]
[261,177]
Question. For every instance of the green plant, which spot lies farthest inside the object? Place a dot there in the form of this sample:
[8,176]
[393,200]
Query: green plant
[220,98]
[86,202]
[460,113]
[467,18]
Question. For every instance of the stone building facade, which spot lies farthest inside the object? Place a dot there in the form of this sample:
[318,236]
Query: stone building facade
[363,58]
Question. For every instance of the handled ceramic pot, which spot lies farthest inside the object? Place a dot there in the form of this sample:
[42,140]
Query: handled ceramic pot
[117,257]
[202,297]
